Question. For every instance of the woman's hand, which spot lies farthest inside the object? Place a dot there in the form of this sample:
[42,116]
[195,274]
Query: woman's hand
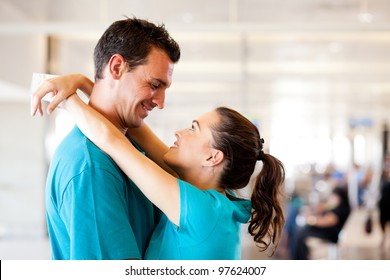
[59,88]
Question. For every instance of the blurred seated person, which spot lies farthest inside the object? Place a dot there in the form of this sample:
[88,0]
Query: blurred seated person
[325,224]
[384,205]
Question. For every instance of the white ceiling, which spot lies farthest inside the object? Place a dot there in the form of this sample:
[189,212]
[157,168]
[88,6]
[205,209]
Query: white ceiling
[313,64]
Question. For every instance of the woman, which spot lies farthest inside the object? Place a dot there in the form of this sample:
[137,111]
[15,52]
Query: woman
[211,159]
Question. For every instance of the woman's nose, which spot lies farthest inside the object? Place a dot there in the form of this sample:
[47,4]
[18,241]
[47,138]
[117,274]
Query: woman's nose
[177,134]
[180,133]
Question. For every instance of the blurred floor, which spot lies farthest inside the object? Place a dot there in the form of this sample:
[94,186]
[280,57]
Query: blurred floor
[354,245]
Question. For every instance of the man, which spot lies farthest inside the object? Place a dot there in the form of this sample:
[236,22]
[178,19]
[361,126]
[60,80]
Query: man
[93,209]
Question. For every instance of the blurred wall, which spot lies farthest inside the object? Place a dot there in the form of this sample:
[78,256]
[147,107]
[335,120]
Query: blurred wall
[22,172]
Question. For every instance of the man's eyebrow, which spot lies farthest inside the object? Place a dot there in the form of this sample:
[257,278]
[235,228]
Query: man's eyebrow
[197,123]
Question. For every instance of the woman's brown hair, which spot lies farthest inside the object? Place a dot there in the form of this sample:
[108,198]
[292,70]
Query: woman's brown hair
[240,141]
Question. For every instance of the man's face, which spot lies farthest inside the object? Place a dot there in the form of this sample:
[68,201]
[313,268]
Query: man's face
[143,88]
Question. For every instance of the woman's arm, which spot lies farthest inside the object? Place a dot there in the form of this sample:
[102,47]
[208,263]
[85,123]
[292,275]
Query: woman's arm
[60,88]
[328,220]
[159,187]
[153,146]
[64,86]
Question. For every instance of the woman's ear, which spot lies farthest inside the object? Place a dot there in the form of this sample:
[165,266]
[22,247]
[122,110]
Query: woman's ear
[117,66]
[215,158]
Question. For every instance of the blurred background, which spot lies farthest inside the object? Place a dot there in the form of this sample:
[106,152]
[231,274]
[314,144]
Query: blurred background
[313,75]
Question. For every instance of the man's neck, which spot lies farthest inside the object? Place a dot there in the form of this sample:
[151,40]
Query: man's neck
[109,113]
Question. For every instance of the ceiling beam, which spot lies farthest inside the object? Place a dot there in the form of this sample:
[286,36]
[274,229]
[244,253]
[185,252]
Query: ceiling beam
[51,28]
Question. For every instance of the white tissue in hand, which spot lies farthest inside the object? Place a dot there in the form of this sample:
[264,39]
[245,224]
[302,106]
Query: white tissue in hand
[37,80]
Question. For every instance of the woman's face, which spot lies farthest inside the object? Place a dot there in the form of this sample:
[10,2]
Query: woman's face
[193,145]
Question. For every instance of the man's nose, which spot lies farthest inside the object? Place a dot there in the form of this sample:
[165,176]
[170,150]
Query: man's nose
[159,99]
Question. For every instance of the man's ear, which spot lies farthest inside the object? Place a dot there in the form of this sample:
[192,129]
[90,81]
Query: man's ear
[215,158]
[117,66]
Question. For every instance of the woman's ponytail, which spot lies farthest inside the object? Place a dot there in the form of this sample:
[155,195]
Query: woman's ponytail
[242,146]
[267,218]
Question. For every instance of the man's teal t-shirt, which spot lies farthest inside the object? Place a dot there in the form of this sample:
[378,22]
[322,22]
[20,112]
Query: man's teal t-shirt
[93,210]
[209,227]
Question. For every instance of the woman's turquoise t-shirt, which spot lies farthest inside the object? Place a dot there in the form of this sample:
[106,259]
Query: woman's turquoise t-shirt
[209,227]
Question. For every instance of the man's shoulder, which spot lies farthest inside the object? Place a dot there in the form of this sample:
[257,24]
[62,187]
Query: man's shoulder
[77,150]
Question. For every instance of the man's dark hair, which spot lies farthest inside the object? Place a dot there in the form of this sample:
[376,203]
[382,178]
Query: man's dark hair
[133,39]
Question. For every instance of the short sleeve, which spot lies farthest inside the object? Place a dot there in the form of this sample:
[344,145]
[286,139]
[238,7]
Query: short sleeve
[198,210]
[95,211]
